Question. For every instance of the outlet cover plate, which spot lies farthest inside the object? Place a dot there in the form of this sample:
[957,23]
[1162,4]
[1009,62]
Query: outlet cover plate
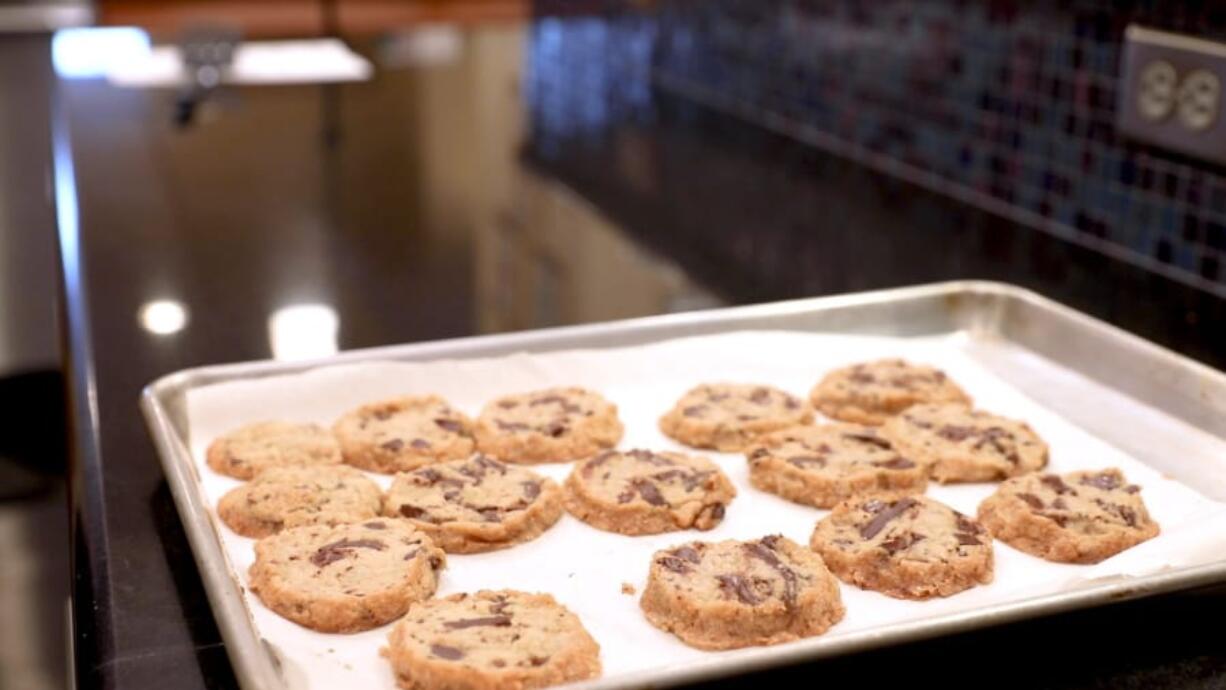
[1195,121]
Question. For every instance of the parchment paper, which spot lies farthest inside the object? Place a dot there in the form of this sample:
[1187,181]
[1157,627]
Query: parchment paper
[584,568]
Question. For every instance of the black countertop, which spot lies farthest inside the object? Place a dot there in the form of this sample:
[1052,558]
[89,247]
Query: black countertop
[340,195]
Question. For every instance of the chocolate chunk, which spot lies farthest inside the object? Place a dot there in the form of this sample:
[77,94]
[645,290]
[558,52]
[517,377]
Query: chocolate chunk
[429,474]
[760,396]
[791,403]
[420,443]
[374,525]
[489,464]
[954,433]
[1031,500]
[1132,488]
[715,511]
[650,458]
[498,663]
[967,539]
[1128,515]
[895,463]
[1060,520]
[392,445]
[450,425]
[626,495]
[511,426]
[508,404]
[738,586]
[870,439]
[412,511]
[486,621]
[538,660]
[694,410]
[771,541]
[1059,504]
[917,423]
[591,465]
[649,492]
[694,479]
[861,376]
[489,513]
[881,519]
[803,461]
[531,489]
[968,525]
[547,400]
[330,553]
[443,651]
[1056,484]
[994,436]
[901,542]
[764,550]
[383,415]
[451,496]
[674,564]
[500,604]
[759,453]
[688,553]
[1104,481]
[411,554]
[555,429]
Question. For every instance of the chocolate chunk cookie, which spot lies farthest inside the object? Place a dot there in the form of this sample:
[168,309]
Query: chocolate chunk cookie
[345,578]
[733,594]
[404,434]
[553,425]
[244,453]
[729,416]
[1081,517]
[475,505]
[872,392]
[489,640]
[958,444]
[908,548]
[641,492]
[823,465]
[295,496]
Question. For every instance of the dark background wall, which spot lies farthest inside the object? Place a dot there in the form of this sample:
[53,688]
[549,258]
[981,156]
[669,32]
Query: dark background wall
[1006,106]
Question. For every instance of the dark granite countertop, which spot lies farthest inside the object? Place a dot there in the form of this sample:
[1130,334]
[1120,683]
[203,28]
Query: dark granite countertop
[751,216]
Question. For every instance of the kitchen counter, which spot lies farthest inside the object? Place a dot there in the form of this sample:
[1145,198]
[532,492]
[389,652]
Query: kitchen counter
[409,205]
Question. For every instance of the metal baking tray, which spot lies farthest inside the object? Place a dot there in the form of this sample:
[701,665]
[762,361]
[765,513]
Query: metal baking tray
[1003,326]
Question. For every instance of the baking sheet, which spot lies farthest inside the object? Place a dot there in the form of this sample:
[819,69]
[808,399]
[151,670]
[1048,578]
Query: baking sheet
[584,568]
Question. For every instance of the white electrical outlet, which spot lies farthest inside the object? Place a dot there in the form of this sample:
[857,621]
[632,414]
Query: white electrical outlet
[1170,92]
[1199,94]
[1156,90]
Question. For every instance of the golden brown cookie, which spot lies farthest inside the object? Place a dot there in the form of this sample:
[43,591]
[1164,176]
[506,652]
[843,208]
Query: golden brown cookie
[552,425]
[345,578]
[475,505]
[958,444]
[822,466]
[909,548]
[872,392]
[491,640]
[733,594]
[245,452]
[641,492]
[729,416]
[283,497]
[403,434]
[1080,517]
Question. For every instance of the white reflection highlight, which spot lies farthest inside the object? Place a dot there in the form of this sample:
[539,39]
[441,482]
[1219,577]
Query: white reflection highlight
[308,61]
[303,331]
[163,316]
[95,52]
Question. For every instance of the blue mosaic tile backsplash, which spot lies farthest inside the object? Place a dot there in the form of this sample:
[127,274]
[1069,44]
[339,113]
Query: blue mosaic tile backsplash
[1005,105]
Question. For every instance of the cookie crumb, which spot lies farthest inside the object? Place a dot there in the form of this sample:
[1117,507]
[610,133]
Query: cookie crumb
[628,589]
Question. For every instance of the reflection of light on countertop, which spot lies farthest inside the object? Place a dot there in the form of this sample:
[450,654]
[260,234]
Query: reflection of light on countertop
[83,53]
[303,331]
[307,61]
[163,316]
